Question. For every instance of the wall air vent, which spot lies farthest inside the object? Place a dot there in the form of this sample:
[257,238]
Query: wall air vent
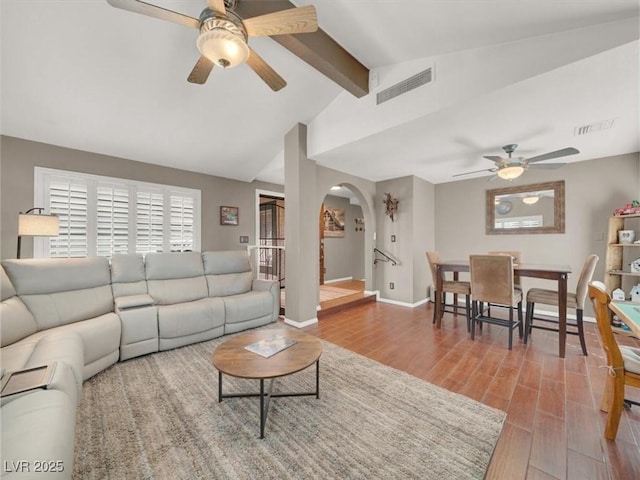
[593,127]
[405,86]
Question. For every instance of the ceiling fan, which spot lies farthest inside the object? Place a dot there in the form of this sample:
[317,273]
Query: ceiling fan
[512,167]
[224,35]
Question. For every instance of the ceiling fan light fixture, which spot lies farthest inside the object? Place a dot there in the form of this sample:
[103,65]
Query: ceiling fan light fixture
[510,172]
[223,47]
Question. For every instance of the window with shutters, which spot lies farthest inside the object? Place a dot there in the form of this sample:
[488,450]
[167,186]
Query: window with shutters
[107,216]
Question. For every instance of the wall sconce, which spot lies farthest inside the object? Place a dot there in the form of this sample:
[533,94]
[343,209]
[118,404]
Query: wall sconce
[36,225]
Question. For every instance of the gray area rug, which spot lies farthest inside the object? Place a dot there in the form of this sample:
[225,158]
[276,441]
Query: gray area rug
[158,417]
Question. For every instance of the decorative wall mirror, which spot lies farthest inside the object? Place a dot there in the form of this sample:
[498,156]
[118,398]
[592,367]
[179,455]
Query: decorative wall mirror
[537,208]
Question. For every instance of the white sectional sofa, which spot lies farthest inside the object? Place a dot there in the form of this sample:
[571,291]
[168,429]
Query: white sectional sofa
[86,314]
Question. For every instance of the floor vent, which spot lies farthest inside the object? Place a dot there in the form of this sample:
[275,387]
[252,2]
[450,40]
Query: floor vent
[405,86]
[593,127]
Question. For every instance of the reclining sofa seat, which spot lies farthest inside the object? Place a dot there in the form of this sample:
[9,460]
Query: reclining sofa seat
[134,306]
[70,295]
[248,302]
[186,314]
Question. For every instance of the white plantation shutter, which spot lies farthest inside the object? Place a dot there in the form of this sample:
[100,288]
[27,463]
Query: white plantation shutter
[112,224]
[69,201]
[107,216]
[149,222]
[182,218]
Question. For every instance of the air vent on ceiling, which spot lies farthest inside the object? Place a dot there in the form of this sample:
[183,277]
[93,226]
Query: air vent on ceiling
[593,127]
[405,86]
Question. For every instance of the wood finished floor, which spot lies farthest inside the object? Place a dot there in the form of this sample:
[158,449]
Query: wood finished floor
[554,426]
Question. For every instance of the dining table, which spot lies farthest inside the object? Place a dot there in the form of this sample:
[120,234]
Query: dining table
[629,313]
[557,273]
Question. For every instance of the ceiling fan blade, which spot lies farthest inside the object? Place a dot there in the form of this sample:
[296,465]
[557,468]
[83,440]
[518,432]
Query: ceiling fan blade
[155,11]
[265,72]
[550,166]
[285,22]
[495,158]
[476,171]
[217,6]
[201,71]
[558,153]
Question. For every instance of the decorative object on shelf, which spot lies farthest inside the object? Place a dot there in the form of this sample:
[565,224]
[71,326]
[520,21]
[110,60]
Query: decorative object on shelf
[632,208]
[391,205]
[635,266]
[635,294]
[229,215]
[626,236]
[618,295]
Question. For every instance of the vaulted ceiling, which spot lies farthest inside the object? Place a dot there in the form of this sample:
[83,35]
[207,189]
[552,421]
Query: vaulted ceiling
[87,76]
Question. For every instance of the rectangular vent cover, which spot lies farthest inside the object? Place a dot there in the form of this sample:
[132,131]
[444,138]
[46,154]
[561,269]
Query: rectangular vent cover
[405,86]
[593,127]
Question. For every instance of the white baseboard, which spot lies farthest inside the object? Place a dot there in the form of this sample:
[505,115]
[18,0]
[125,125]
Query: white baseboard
[306,323]
[555,314]
[401,304]
[336,280]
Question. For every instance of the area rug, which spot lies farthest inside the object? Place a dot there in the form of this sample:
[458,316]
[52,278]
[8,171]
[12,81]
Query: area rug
[158,417]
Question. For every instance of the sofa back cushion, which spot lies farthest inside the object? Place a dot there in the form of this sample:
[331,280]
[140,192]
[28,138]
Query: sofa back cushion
[228,272]
[127,275]
[58,291]
[175,277]
[16,322]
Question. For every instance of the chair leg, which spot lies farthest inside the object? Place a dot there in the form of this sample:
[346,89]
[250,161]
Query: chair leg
[528,320]
[444,302]
[615,406]
[531,316]
[467,302]
[581,331]
[435,299]
[510,328]
[474,312]
[520,326]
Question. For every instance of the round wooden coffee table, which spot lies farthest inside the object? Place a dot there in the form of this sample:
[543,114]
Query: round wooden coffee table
[232,358]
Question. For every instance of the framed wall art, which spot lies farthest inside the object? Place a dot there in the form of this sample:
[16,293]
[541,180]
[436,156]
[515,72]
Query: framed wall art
[229,215]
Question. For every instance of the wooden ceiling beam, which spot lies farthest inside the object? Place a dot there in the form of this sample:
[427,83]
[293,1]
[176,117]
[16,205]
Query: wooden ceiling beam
[318,49]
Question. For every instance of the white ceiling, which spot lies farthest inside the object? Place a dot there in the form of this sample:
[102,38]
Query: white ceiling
[84,75]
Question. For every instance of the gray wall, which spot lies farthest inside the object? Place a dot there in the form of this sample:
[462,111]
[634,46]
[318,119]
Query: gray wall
[413,228]
[593,189]
[19,157]
[344,256]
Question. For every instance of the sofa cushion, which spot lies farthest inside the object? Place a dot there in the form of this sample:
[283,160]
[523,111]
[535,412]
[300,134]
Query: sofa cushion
[39,427]
[175,277]
[247,306]
[190,317]
[133,301]
[44,348]
[226,261]
[62,291]
[127,275]
[16,322]
[228,272]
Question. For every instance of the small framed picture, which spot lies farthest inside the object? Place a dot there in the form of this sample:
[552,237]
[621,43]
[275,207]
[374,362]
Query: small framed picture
[229,215]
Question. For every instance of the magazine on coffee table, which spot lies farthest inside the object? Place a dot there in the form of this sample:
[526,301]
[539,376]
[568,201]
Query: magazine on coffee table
[268,347]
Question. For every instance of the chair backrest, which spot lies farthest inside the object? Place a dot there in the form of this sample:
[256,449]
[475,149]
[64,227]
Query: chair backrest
[433,258]
[601,299]
[517,258]
[492,278]
[585,277]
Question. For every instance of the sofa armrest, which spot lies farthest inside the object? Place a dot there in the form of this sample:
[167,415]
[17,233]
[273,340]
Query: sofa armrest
[265,285]
[133,301]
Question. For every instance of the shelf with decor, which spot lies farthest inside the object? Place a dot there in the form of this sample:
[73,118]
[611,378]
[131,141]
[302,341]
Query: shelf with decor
[620,256]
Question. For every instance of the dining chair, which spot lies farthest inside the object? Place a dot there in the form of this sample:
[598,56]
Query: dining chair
[454,287]
[623,363]
[517,258]
[492,282]
[574,300]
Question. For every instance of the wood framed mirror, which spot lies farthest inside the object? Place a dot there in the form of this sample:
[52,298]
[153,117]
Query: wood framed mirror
[537,208]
